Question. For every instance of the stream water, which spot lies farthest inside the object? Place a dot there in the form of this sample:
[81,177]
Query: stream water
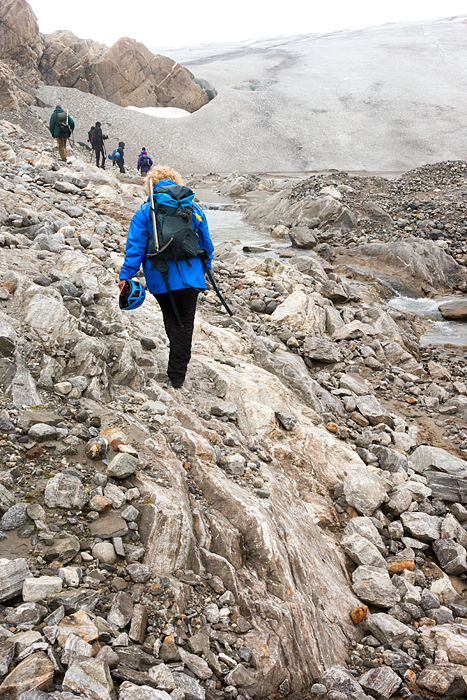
[227,225]
[439,332]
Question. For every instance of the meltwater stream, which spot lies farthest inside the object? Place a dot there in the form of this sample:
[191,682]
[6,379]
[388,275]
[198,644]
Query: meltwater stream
[439,332]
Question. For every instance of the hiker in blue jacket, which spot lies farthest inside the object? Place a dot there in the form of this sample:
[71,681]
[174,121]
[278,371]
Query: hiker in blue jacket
[185,277]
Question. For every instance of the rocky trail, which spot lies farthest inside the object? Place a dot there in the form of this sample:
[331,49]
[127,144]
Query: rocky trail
[292,522]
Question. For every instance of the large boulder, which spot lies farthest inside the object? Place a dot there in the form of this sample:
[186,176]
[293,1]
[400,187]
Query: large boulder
[420,264]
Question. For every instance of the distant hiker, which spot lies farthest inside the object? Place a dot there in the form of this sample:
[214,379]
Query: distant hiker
[114,156]
[98,139]
[61,126]
[144,162]
[121,156]
[177,286]
[91,134]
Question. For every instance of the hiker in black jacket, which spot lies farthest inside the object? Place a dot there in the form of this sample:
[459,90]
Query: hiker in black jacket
[98,144]
[121,158]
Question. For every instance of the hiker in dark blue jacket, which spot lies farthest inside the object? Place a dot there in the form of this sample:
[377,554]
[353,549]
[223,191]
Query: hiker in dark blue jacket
[185,277]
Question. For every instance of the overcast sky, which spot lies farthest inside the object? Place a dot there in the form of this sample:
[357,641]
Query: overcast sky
[187,22]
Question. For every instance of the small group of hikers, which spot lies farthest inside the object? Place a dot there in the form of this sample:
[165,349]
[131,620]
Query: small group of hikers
[168,237]
[61,126]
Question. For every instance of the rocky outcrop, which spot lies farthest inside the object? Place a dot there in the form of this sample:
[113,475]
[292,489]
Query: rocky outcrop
[20,42]
[127,73]
[423,266]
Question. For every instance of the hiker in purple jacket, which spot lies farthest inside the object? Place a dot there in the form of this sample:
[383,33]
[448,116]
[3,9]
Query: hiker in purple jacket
[144,162]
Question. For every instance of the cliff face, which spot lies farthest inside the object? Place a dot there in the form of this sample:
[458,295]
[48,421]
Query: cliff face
[126,73]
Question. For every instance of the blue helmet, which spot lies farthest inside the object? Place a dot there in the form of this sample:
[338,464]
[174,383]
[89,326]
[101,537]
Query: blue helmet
[132,295]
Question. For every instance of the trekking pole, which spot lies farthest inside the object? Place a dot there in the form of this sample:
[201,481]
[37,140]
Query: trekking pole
[153,217]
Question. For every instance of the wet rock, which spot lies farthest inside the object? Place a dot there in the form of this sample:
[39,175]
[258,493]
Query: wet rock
[454,310]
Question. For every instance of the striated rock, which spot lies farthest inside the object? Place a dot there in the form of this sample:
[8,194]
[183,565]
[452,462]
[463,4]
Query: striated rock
[36,672]
[321,350]
[20,41]
[12,576]
[422,526]
[381,683]
[452,556]
[122,465]
[388,630]
[444,679]
[80,624]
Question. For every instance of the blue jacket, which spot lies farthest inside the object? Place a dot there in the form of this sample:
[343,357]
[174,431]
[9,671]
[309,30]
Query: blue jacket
[183,274]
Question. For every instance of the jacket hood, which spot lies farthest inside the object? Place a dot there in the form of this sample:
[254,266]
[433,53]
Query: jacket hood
[162,183]
[121,144]
[59,109]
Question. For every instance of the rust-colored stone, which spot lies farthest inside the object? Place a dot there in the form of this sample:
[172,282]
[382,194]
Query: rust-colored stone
[358,614]
[115,443]
[359,419]
[99,503]
[36,672]
[397,566]
[332,427]
[411,399]
[34,452]
[11,286]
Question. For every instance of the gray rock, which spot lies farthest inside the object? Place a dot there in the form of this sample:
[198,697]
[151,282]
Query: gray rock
[7,654]
[429,600]
[122,466]
[234,463]
[162,677]
[12,576]
[196,664]
[63,549]
[14,517]
[364,490]
[140,573]
[41,588]
[372,410]
[121,611]
[27,615]
[381,683]
[321,350]
[130,691]
[446,487]
[388,630]
[65,491]
[139,623]
[6,499]
[422,526]
[193,689]
[354,383]
[446,680]
[451,556]
[287,420]
[90,678]
[338,679]
[389,459]
[105,552]
[243,678]
[373,585]
[34,672]
[131,514]
[362,551]
[258,305]
[366,528]
[426,458]
[302,237]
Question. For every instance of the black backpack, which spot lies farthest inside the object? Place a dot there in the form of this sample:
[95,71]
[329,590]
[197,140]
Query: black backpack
[172,210]
[62,118]
[145,160]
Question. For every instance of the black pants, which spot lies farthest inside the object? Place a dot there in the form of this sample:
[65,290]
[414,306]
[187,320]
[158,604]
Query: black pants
[121,164]
[99,148]
[179,338]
